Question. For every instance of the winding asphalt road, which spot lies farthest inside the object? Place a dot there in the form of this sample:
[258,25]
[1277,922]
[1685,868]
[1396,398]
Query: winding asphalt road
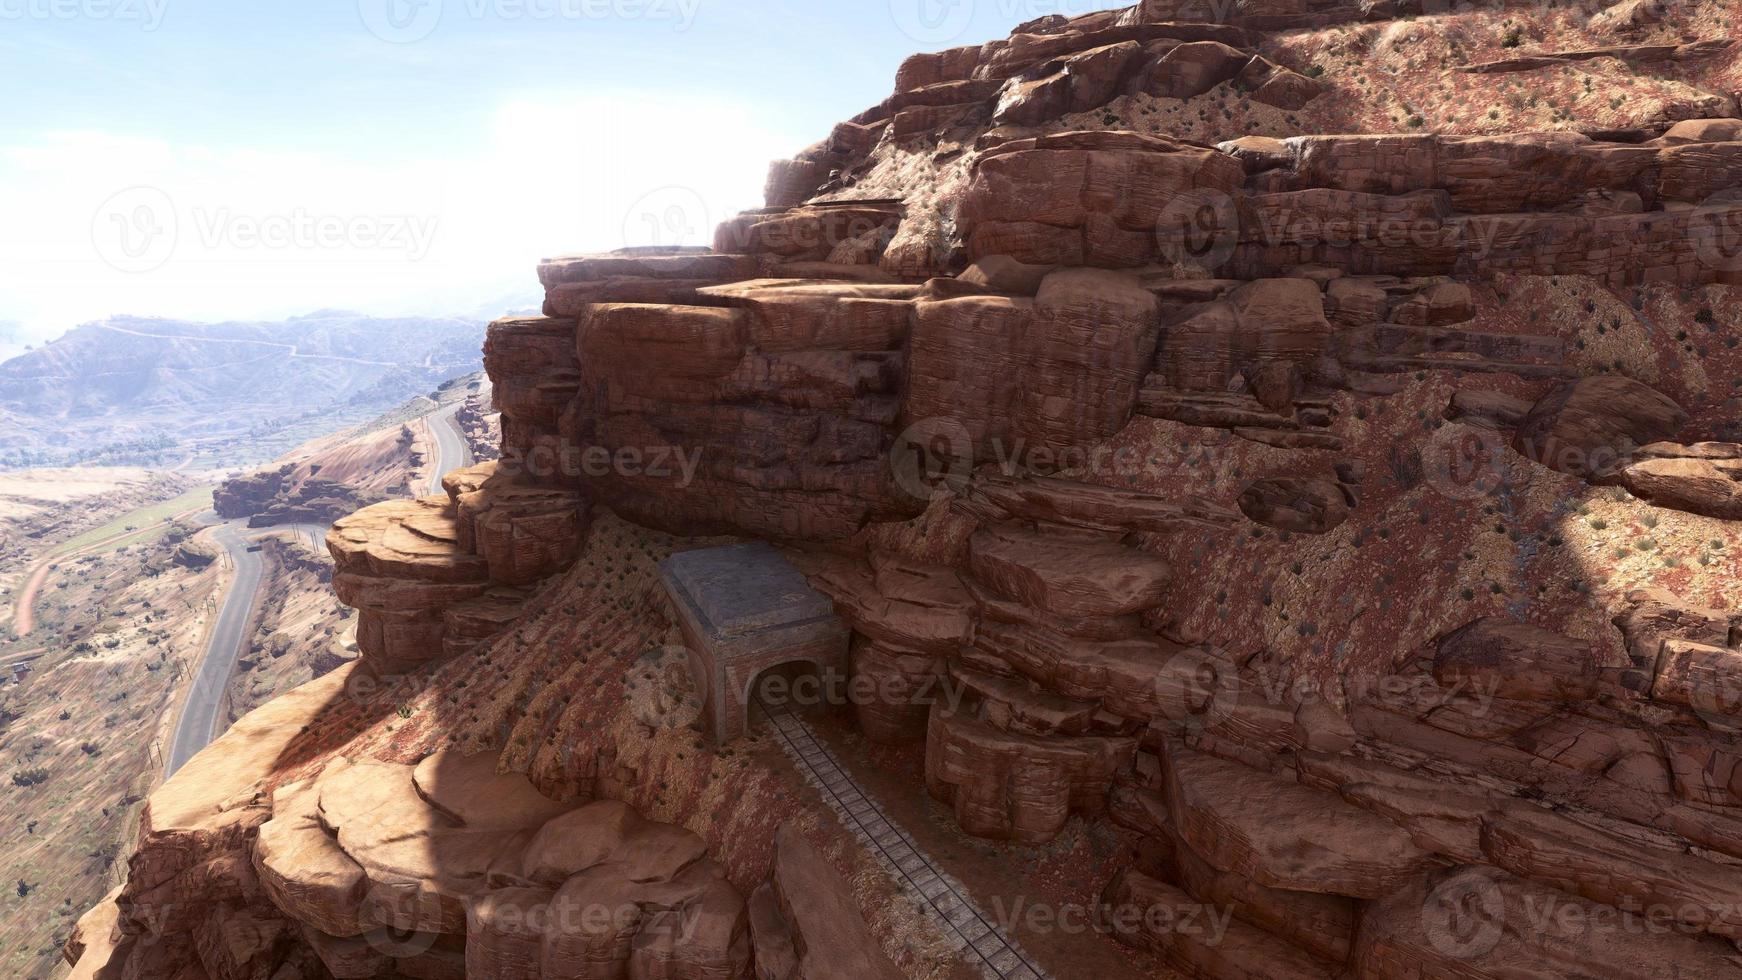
[200,714]
[198,723]
[452,452]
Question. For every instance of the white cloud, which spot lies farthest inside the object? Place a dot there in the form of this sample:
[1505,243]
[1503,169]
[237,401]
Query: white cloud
[100,224]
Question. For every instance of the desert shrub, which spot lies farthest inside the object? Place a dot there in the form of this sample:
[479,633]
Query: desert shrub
[30,777]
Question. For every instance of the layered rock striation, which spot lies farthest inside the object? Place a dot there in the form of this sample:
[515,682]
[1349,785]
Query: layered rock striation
[1113,450]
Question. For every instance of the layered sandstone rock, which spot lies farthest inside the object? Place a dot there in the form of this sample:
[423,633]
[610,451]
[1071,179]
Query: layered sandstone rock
[419,570]
[274,497]
[1094,643]
[1702,479]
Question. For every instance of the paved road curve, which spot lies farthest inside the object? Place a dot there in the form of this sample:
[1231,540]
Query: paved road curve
[452,453]
[982,943]
[199,715]
[198,724]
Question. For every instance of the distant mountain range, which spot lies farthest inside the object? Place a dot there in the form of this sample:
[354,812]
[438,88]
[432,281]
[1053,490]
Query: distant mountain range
[155,392]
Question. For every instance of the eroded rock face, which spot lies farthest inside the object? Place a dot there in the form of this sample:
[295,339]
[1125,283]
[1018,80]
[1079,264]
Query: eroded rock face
[275,497]
[432,576]
[773,410]
[1123,294]
[1091,199]
[1066,366]
[1074,578]
[450,851]
[1415,929]
[1519,661]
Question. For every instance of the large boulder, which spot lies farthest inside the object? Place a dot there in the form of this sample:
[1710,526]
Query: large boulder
[1267,323]
[1044,379]
[1589,427]
[1518,661]
[1188,70]
[1298,839]
[1300,504]
[1010,785]
[1702,479]
[1274,85]
[1484,924]
[1073,84]
[828,935]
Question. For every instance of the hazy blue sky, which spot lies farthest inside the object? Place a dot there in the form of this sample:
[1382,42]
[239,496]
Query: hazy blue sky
[257,158]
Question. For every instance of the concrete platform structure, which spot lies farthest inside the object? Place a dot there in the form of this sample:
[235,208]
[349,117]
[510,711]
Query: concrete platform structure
[745,610]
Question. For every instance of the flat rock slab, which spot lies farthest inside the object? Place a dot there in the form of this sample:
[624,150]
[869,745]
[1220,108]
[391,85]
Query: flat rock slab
[470,791]
[1066,575]
[1284,835]
[738,591]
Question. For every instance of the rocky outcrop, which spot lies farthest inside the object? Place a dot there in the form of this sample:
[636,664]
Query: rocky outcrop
[1431,804]
[273,497]
[1391,205]
[953,413]
[1072,578]
[1701,479]
[417,570]
[1296,504]
[1588,427]
[445,868]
